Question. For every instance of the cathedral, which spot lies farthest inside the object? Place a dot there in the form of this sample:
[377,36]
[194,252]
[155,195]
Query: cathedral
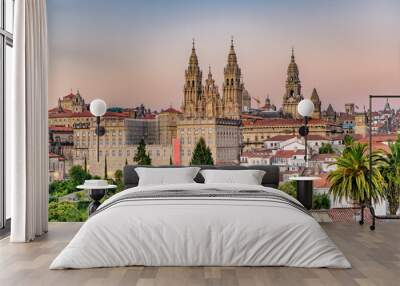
[72,102]
[293,95]
[204,101]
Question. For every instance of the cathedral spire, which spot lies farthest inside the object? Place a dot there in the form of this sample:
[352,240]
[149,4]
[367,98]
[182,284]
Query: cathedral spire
[232,59]
[193,61]
[209,72]
[292,58]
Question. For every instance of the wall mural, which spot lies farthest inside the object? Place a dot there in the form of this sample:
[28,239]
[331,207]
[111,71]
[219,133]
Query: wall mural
[182,79]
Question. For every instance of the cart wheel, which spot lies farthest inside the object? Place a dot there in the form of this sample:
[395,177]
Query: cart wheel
[361,222]
[372,227]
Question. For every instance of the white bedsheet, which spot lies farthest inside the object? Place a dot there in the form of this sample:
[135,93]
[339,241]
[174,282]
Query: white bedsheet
[212,231]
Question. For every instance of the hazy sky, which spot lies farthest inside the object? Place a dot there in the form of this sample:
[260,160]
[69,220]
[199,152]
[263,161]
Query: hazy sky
[132,52]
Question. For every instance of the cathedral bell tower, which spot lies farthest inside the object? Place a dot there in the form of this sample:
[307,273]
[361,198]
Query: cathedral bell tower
[232,87]
[293,90]
[192,101]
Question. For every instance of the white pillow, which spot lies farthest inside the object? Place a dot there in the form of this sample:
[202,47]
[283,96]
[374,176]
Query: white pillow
[166,176]
[248,177]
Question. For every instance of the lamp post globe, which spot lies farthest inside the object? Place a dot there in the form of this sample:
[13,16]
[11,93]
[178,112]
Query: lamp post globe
[98,107]
[305,107]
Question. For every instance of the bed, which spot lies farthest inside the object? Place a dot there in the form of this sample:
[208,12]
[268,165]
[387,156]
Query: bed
[197,224]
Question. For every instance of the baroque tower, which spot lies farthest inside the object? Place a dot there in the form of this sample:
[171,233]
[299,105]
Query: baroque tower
[293,89]
[317,104]
[192,101]
[213,102]
[232,87]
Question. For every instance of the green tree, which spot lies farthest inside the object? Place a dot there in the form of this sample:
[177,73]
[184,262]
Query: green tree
[78,175]
[62,188]
[326,148]
[64,211]
[118,180]
[202,154]
[126,161]
[118,176]
[170,161]
[105,168]
[85,165]
[141,157]
[390,170]
[289,187]
[350,180]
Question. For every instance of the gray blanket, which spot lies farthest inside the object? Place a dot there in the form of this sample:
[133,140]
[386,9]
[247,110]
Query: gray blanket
[203,194]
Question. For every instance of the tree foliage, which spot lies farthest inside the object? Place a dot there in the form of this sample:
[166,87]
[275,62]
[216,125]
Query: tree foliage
[321,201]
[289,187]
[350,180]
[78,175]
[390,170]
[118,175]
[64,211]
[141,157]
[326,148]
[202,154]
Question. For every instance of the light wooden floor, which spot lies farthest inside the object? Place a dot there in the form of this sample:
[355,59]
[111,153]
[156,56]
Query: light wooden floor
[375,257]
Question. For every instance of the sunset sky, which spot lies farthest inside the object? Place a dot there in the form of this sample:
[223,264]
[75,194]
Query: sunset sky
[132,52]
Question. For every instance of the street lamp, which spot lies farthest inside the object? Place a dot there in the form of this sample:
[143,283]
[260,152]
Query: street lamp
[98,108]
[305,108]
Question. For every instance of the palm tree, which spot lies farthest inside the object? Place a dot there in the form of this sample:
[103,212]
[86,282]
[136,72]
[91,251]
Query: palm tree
[390,170]
[350,180]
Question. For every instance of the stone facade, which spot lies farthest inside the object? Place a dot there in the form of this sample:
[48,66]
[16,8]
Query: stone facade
[72,102]
[205,101]
[222,136]
[256,132]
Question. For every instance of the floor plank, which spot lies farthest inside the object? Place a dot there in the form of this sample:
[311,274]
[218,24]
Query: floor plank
[375,257]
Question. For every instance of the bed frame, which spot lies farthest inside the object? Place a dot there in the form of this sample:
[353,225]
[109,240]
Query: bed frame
[270,179]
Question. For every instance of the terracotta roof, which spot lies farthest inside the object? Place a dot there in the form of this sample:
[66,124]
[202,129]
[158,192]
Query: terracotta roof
[249,116]
[149,116]
[87,114]
[284,153]
[171,110]
[61,129]
[53,155]
[322,183]
[299,152]
[316,137]
[68,96]
[379,138]
[284,122]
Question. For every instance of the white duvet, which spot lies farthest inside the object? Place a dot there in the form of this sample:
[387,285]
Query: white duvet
[202,232]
